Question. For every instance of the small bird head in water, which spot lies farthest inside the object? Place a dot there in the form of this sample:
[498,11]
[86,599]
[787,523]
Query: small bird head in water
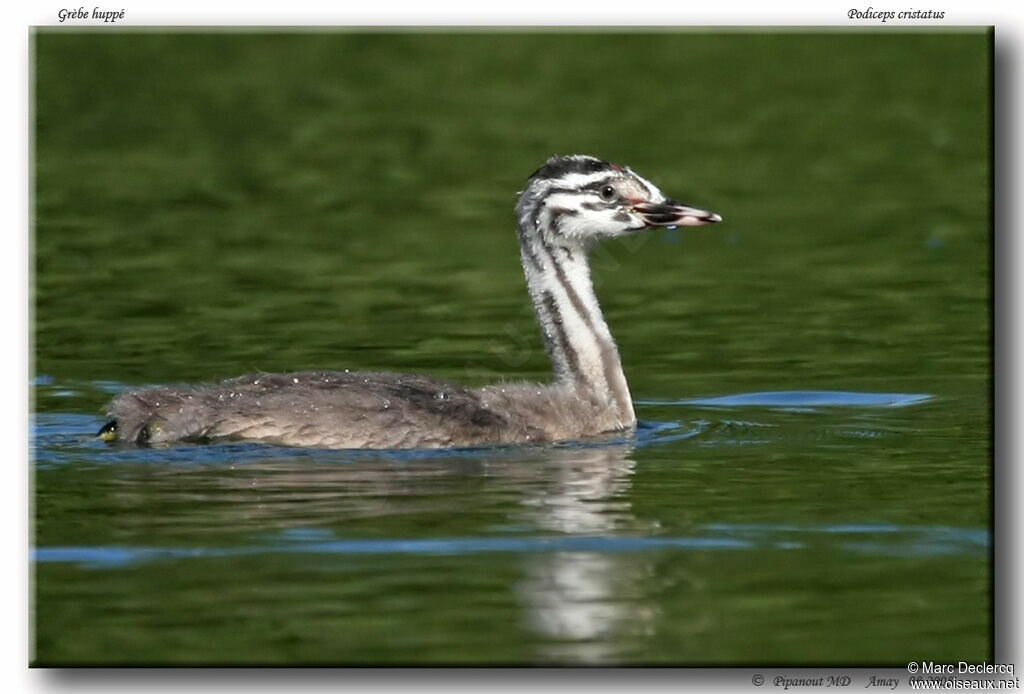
[579,199]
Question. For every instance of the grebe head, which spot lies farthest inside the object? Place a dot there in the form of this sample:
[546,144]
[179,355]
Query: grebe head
[578,199]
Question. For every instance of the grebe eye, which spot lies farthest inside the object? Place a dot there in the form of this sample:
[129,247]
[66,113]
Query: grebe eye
[607,193]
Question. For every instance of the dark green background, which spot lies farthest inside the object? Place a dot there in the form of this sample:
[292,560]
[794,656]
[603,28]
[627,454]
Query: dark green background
[209,204]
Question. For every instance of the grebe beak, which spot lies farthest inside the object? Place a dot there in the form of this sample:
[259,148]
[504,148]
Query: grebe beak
[671,213]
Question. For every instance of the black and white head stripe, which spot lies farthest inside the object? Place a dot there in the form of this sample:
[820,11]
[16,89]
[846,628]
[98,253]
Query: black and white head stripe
[559,166]
[579,173]
[579,199]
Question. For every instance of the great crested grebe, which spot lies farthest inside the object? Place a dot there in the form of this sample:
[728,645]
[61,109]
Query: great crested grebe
[569,203]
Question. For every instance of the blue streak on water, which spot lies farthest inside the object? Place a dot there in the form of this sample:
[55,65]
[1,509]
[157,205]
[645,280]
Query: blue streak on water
[794,399]
[872,539]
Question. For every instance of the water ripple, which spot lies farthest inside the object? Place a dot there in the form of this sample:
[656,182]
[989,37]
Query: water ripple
[874,539]
[801,399]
